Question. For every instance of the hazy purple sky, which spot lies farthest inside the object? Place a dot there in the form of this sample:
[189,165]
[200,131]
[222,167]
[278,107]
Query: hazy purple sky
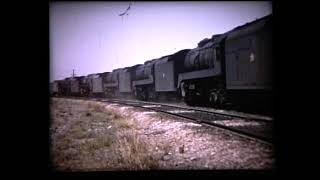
[91,37]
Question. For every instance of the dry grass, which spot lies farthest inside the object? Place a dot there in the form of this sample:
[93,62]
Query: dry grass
[86,136]
[134,153]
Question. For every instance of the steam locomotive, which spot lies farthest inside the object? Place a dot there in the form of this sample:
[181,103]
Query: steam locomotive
[235,66]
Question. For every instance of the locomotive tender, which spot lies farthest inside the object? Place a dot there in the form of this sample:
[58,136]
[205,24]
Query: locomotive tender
[230,66]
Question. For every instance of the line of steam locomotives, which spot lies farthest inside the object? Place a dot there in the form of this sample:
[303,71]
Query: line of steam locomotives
[228,67]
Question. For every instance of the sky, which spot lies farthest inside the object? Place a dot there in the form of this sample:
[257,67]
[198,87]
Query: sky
[91,37]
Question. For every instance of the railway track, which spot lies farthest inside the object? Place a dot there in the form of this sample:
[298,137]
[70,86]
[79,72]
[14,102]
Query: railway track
[254,127]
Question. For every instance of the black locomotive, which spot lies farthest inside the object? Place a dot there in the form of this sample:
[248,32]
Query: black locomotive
[230,68]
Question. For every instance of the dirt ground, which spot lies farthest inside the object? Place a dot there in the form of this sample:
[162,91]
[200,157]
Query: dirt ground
[88,136]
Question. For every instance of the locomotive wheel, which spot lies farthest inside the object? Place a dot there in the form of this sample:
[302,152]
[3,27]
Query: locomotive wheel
[143,95]
[213,97]
[217,99]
